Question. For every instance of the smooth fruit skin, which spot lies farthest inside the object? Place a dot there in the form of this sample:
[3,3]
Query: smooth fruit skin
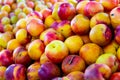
[51,36]
[110,48]
[43,34]
[109,4]
[93,7]
[36,49]
[104,33]
[81,6]
[73,63]
[6,58]
[66,11]
[32,71]
[115,76]
[49,20]
[85,38]
[37,29]
[21,23]
[15,72]
[75,75]
[5,38]
[46,12]
[75,41]
[99,18]
[2,72]
[97,72]
[55,11]
[110,60]
[118,54]
[34,14]
[56,51]
[88,50]
[48,71]
[22,36]
[44,59]
[12,44]
[20,56]
[80,24]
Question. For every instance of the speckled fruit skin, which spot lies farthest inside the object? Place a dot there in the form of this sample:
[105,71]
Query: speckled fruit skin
[48,71]
[15,72]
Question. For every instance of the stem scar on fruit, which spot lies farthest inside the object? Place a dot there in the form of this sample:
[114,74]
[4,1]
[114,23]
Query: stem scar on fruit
[112,14]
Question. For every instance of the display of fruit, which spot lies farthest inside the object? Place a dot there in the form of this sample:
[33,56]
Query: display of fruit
[59,39]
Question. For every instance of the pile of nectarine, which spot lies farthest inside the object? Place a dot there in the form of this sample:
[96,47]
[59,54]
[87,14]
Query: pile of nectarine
[59,39]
